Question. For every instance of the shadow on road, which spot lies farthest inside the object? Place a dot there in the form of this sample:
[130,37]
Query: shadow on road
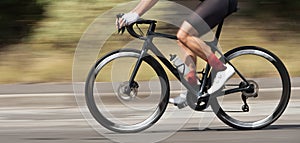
[271,127]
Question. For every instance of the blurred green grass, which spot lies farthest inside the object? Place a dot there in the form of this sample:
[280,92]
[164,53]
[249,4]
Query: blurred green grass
[46,54]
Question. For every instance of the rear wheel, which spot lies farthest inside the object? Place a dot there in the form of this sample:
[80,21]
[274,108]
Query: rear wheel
[268,96]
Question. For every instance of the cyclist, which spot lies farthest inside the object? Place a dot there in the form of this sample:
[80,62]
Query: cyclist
[212,12]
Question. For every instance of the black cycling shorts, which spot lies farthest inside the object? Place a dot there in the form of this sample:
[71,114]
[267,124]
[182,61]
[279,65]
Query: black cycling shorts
[211,13]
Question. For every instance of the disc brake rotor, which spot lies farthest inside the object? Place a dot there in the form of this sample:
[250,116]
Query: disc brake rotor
[126,93]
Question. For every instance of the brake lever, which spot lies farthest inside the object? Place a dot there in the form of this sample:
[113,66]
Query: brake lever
[120,29]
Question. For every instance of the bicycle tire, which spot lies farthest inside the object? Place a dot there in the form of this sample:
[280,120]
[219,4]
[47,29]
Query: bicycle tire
[284,95]
[119,127]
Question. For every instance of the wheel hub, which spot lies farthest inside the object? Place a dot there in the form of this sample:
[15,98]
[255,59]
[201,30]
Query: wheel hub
[252,90]
[126,93]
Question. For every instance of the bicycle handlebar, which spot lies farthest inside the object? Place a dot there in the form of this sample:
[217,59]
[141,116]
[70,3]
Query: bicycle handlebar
[130,27]
[140,21]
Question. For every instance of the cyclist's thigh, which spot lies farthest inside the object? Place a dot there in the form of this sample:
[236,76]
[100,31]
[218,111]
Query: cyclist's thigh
[208,14]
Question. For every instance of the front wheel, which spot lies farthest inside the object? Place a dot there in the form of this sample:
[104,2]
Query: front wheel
[119,106]
[268,96]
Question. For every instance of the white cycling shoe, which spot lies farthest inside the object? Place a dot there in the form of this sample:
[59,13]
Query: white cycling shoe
[179,101]
[221,78]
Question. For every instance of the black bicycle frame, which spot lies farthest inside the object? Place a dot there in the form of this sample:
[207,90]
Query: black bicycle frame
[148,45]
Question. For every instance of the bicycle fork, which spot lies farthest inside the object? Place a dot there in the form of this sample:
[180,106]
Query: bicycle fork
[132,83]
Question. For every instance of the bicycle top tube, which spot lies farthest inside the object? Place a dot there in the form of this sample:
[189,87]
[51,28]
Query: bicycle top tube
[152,26]
[151,32]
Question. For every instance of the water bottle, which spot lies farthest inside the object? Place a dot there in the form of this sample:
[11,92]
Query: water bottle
[179,64]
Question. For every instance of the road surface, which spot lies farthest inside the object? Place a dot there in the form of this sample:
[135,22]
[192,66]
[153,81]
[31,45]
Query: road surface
[36,114]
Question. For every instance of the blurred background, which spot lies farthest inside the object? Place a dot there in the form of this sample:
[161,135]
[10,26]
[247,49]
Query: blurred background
[38,38]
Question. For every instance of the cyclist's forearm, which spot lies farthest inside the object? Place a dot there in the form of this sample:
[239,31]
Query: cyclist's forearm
[144,6]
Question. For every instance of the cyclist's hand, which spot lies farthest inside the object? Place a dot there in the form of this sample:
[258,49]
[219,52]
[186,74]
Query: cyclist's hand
[126,19]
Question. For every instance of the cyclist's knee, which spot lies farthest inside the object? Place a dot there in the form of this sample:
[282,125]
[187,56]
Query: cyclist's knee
[182,36]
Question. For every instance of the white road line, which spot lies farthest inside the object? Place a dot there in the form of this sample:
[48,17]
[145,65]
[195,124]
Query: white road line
[36,95]
[141,93]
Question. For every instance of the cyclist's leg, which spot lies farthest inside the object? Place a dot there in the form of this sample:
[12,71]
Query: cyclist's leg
[207,15]
[198,47]
[190,60]
[191,53]
[189,56]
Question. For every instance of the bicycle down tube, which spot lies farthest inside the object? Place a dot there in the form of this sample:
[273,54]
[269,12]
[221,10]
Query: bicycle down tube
[148,45]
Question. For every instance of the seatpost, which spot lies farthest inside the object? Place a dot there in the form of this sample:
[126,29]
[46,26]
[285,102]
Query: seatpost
[218,32]
[214,44]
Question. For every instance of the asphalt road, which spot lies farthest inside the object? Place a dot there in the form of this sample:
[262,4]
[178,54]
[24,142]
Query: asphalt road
[31,113]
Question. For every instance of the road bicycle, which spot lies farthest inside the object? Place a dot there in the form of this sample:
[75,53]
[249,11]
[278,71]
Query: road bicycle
[137,90]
